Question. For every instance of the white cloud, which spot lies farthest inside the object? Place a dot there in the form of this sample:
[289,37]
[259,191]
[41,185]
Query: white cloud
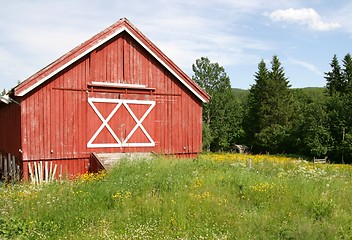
[303,16]
[308,66]
[186,38]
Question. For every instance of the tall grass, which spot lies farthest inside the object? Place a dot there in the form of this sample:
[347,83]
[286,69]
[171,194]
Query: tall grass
[211,197]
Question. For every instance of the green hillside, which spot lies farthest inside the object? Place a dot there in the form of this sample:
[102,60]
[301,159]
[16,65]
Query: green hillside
[241,94]
[314,93]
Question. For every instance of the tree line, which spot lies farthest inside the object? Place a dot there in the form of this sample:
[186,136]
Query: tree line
[275,118]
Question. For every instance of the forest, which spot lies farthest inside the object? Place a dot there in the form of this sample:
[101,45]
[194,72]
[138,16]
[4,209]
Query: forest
[274,118]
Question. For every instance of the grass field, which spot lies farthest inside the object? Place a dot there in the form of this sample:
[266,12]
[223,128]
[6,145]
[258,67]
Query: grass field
[216,196]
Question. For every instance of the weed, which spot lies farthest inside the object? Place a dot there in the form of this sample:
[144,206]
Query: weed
[322,209]
[216,196]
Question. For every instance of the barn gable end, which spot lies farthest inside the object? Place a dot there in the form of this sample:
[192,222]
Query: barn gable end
[100,39]
[115,93]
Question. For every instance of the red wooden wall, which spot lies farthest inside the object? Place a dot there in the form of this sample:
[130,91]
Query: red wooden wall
[57,121]
[10,129]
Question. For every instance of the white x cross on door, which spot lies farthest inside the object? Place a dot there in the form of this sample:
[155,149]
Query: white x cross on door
[120,140]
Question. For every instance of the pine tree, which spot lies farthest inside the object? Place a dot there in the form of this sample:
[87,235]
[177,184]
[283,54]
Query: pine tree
[271,110]
[347,72]
[279,96]
[339,105]
[335,82]
[257,95]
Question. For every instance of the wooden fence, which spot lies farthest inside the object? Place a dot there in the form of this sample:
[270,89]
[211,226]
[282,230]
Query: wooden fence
[9,170]
[321,160]
[40,172]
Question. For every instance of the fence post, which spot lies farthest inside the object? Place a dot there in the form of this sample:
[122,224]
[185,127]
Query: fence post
[14,169]
[0,166]
[249,163]
[36,173]
[9,166]
[5,168]
[46,169]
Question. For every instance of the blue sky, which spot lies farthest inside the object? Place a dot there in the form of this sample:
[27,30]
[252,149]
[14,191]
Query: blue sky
[235,33]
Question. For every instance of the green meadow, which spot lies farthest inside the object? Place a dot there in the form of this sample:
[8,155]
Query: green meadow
[215,196]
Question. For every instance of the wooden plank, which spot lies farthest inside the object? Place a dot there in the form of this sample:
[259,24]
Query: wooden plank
[126,61]
[47,130]
[36,173]
[42,121]
[24,130]
[14,169]
[46,172]
[61,126]
[119,60]
[31,174]
[35,128]
[31,126]
[5,169]
[51,170]
[54,172]
[169,115]
[109,61]
[9,164]
[92,64]
[0,164]
[40,172]
[179,119]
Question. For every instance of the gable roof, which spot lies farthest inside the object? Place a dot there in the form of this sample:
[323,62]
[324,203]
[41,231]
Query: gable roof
[85,48]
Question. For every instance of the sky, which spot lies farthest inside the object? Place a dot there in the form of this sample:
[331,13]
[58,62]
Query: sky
[237,34]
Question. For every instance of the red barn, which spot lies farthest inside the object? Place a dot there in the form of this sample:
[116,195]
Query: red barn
[115,93]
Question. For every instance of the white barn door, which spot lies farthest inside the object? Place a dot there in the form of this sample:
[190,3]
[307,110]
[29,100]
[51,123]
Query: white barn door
[120,123]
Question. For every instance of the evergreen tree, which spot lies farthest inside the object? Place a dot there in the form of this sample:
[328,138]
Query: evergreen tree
[347,72]
[335,82]
[257,95]
[270,110]
[276,107]
[339,105]
[220,115]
